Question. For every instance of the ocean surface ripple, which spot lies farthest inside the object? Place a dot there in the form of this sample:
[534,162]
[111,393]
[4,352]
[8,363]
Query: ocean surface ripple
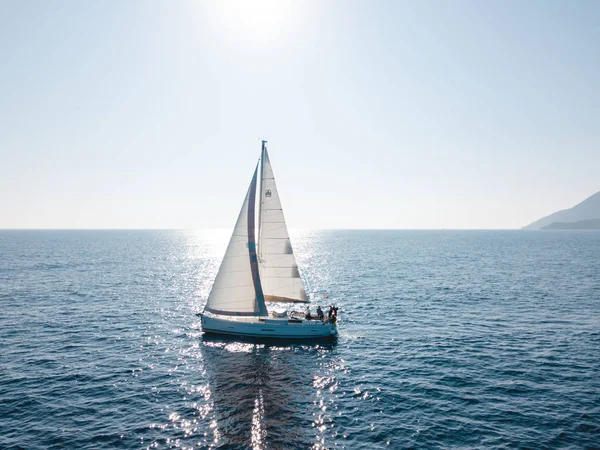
[448,339]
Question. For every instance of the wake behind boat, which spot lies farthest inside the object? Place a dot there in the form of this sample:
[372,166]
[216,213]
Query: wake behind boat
[259,267]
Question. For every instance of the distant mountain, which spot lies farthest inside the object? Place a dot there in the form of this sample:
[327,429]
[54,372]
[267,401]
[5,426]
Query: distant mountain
[586,210]
[590,224]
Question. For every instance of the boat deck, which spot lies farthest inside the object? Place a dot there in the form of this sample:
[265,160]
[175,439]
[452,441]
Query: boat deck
[282,327]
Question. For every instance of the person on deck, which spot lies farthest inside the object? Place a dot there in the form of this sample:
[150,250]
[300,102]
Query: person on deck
[320,314]
[307,315]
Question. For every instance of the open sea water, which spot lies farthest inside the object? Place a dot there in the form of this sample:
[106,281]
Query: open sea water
[448,339]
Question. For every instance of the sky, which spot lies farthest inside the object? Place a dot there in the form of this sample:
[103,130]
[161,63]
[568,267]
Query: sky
[379,114]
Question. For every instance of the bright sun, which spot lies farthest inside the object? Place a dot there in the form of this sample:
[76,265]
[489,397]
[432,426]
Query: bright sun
[259,21]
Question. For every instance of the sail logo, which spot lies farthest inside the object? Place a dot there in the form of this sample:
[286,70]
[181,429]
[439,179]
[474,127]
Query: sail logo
[268,193]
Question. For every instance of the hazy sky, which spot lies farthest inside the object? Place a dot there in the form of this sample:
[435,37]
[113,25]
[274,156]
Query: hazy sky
[442,114]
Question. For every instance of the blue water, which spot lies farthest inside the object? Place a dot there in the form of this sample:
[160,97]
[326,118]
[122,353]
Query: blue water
[447,340]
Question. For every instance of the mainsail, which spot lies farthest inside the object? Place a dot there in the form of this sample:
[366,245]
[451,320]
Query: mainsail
[279,273]
[237,289]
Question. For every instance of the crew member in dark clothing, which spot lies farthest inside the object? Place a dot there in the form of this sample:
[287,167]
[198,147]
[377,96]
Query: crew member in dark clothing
[320,314]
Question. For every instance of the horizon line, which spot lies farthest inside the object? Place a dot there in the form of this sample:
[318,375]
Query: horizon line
[226,229]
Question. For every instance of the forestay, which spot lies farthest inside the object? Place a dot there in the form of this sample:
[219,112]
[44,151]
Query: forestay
[279,273]
[237,288]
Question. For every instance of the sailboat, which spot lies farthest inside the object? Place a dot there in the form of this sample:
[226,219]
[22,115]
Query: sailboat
[259,267]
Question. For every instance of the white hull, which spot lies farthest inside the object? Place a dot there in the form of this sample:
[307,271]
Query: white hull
[268,327]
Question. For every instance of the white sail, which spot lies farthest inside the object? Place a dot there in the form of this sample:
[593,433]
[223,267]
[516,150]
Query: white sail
[237,288]
[279,273]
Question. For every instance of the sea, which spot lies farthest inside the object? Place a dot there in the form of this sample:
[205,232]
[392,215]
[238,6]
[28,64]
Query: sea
[447,339]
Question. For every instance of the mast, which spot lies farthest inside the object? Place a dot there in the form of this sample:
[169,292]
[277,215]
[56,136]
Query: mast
[260,201]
